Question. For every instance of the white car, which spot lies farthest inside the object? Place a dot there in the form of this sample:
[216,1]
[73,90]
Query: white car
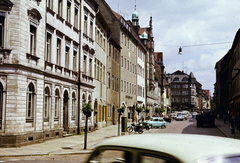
[167,148]
[179,117]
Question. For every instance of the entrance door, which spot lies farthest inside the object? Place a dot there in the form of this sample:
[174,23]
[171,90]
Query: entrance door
[113,115]
[65,111]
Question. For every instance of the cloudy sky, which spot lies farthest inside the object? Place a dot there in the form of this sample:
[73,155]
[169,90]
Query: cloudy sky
[204,29]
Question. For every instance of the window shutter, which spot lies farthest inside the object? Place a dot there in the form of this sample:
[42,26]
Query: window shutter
[100,113]
[106,113]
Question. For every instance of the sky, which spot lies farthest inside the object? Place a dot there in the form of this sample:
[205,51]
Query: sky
[204,29]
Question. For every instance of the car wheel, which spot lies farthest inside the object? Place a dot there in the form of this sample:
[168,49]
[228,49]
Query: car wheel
[163,126]
[129,129]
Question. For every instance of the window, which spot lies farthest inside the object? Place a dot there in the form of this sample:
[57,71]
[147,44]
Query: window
[74,60]
[73,105]
[60,7]
[104,74]
[67,57]
[33,40]
[57,104]
[68,11]
[30,101]
[58,56]
[91,29]
[176,79]
[48,47]
[112,82]
[108,74]
[2,19]
[128,64]
[115,84]
[85,22]
[125,63]
[122,60]
[84,64]
[121,85]
[124,86]
[50,4]
[76,17]
[127,87]
[90,67]
[100,72]
[95,69]
[46,103]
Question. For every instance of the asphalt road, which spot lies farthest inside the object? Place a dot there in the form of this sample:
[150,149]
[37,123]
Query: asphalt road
[185,127]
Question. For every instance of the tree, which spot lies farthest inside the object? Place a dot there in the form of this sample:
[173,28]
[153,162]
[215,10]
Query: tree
[139,109]
[147,110]
[87,111]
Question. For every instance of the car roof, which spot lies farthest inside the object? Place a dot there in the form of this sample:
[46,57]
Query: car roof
[185,147]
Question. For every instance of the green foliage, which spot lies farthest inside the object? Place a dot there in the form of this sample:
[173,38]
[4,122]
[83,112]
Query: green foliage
[168,109]
[87,109]
[121,110]
[147,110]
[157,110]
[139,109]
[173,110]
[161,110]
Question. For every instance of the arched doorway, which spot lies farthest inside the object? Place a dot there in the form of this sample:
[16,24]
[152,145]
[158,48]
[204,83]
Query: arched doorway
[65,111]
[113,115]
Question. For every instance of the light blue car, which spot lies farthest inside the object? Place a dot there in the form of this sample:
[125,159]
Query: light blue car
[156,122]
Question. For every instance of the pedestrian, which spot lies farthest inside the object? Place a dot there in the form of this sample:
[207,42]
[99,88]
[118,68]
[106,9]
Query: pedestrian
[218,117]
[224,119]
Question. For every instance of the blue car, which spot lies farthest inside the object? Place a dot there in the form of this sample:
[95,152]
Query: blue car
[156,122]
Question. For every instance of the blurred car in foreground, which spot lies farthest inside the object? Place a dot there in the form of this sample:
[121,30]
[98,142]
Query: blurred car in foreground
[156,122]
[167,148]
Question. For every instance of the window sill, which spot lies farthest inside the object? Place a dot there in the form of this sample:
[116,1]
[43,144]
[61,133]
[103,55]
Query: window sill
[29,120]
[60,18]
[32,57]
[76,30]
[46,119]
[56,119]
[50,11]
[68,24]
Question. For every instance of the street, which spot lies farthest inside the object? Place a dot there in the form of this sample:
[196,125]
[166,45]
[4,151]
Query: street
[184,127]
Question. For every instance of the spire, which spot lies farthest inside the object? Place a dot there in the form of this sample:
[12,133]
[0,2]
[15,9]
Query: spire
[135,18]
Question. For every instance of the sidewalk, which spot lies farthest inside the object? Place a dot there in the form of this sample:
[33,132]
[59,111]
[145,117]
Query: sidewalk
[225,129]
[68,145]
[74,144]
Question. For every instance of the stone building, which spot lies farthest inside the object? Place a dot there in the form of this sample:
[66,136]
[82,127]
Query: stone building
[113,63]
[183,91]
[46,69]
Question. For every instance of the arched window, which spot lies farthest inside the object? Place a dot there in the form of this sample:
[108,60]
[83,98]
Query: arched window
[185,79]
[46,103]
[176,79]
[89,99]
[73,104]
[30,101]
[57,104]
[83,99]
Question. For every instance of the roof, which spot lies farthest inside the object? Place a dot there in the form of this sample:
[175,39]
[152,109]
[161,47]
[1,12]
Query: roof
[185,147]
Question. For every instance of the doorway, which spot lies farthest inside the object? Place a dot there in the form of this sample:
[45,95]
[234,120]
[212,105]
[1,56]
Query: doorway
[65,111]
[113,115]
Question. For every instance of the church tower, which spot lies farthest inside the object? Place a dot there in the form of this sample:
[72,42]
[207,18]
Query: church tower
[135,19]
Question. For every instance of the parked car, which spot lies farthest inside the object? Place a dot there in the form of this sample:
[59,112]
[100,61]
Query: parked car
[156,122]
[185,115]
[170,148]
[179,117]
[173,115]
